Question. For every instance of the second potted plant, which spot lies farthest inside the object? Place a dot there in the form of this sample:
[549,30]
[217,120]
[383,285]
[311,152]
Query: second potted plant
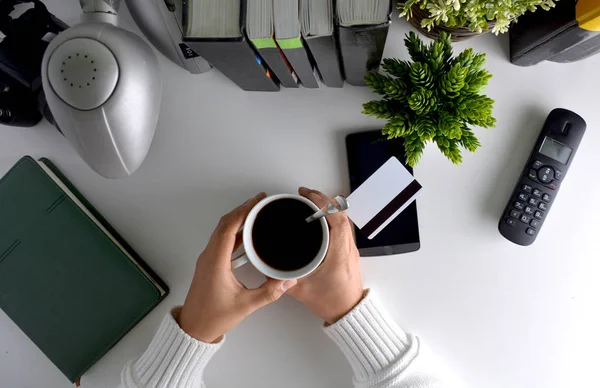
[466,18]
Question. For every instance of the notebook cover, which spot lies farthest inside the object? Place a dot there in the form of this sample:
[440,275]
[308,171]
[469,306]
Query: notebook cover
[325,53]
[275,60]
[106,225]
[234,57]
[298,57]
[63,282]
[361,48]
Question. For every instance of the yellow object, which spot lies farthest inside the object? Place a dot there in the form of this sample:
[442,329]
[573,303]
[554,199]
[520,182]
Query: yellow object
[587,13]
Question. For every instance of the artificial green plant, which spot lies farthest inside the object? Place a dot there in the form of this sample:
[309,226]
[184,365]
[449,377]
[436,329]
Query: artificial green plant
[473,14]
[434,98]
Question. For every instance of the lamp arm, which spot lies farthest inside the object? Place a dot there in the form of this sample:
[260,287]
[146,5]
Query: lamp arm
[101,6]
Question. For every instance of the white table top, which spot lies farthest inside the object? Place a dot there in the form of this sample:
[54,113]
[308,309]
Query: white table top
[499,314]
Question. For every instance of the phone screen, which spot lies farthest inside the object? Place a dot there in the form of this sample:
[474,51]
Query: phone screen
[367,151]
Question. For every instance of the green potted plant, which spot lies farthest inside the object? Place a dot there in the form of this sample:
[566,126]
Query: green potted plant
[466,18]
[435,98]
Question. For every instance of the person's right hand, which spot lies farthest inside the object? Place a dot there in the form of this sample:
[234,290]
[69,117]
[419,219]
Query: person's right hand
[334,288]
[217,301]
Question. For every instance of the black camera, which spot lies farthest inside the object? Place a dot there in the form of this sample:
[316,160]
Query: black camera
[22,101]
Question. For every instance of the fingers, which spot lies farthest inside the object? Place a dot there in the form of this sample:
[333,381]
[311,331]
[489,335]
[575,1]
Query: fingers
[224,237]
[239,236]
[317,197]
[336,220]
[267,293]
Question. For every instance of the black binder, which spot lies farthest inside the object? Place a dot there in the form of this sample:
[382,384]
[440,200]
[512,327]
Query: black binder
[563,34]
[361,49]
[326,56]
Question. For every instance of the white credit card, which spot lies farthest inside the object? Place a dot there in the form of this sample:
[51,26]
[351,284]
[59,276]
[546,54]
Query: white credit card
[382,197]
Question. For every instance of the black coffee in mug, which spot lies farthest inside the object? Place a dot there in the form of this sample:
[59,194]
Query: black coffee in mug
[281,236]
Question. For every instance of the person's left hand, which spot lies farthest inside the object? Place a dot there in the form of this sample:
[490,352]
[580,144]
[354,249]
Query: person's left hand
[216,301]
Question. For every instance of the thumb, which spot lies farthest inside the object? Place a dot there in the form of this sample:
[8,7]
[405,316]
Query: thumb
[268,292]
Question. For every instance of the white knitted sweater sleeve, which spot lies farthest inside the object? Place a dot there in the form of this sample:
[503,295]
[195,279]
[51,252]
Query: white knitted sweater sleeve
[173,360]
[380,353]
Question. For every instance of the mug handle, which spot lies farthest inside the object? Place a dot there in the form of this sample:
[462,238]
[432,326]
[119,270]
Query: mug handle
[239,258]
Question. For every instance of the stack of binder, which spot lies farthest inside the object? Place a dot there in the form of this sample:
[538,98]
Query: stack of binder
[264,44]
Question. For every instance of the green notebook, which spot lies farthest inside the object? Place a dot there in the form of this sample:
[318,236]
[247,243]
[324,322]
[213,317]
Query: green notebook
[67,279]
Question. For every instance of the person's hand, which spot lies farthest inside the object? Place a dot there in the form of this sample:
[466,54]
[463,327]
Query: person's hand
[216,301]
[336,286]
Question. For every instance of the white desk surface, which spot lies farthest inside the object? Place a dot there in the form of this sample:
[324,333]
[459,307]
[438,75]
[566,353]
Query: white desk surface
[499,314]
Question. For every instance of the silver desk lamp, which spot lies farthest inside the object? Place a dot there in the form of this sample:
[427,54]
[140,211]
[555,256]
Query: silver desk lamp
[103,87]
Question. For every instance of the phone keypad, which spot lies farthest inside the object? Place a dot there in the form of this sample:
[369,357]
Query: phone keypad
[529,207]
[523,197]
[525,218]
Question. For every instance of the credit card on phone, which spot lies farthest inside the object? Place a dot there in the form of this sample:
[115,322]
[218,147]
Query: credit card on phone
[382,197]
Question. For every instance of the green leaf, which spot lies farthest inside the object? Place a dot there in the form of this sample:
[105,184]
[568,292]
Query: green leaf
[424,126]
[436,61]
[468,140]
[413,148]
[449,125]
[399,126]
[478,62]
[377,82]
[421,101]
[476,110]
[381,109]
[415,47]
[465,59]
[421,75]
[450,149]
[446,39]
[453,81]
[396,67]
[475,82]
[395,89]
[406,8]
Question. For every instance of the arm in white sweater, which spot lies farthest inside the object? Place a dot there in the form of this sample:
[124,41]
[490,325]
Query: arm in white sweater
[380,353]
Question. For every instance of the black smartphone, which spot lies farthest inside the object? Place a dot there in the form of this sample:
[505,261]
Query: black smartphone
[367,151]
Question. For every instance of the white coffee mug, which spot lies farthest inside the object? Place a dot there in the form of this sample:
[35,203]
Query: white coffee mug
[249,253]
